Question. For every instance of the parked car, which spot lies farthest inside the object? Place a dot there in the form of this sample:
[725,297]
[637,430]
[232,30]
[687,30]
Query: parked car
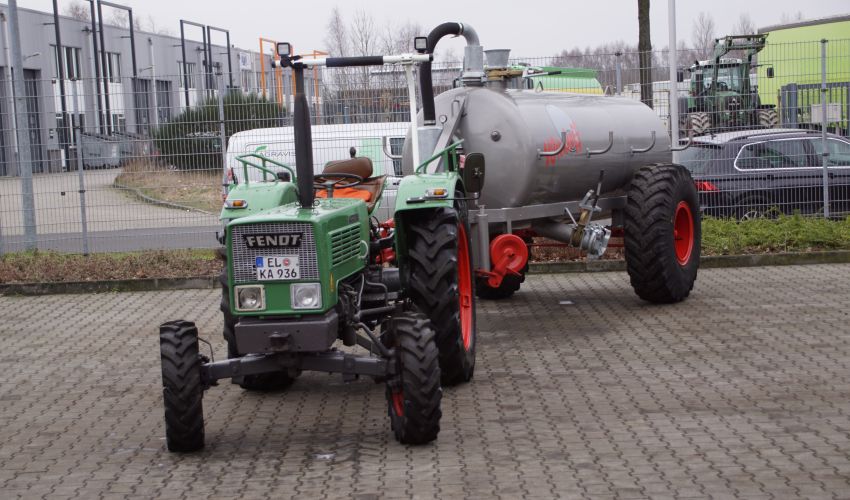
[753,173]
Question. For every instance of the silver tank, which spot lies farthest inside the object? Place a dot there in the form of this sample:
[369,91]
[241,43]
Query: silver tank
[510,126]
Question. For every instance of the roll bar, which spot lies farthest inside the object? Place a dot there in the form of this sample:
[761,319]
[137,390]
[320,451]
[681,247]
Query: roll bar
[346,62]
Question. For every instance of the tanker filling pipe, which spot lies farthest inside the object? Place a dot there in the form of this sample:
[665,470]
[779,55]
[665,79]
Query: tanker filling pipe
[473,64]
[411,96]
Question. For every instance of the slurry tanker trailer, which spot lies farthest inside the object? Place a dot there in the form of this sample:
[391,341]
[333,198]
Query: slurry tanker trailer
[309,267]
[556,163]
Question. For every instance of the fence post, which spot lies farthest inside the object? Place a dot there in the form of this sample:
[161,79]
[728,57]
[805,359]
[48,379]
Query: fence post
[825,153]
[673,89]
[221,129]
[619,75]
[22,129]
[78,142]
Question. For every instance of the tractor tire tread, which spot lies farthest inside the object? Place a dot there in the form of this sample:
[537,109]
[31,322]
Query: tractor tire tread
[182,389]
[654,271]
[434,289]
[419,358]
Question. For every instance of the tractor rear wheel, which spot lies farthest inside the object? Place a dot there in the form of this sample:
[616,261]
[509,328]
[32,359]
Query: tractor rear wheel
[768,118]
[700,122]
[414,394]
[182,390]
[662,233]
[441,287]
[260,382]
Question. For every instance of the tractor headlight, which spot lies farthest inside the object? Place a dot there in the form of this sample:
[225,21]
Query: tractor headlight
[250,298]
[306,295]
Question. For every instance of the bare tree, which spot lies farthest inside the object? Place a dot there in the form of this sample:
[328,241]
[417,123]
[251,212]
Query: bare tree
[77,10]
[153,26]
[399,39]
[364,37]
[121,18]
[744,26]
[645,53]
[336,38]
[704,35]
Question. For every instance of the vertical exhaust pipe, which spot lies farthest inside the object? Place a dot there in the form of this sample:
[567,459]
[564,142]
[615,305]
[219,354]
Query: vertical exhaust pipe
[303,141]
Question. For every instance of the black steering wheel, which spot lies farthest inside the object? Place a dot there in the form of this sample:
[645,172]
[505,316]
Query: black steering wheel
[722,86]
[329,181]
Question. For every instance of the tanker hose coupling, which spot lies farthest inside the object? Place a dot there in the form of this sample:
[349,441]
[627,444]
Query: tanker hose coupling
[591,238]
[594,240]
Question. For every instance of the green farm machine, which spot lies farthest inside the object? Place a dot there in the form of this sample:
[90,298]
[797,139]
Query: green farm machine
[721,95]
[307,266]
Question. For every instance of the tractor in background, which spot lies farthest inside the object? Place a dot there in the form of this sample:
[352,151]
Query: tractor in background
[722,96]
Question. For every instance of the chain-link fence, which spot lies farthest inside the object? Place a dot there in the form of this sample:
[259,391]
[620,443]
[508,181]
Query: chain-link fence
[136,163]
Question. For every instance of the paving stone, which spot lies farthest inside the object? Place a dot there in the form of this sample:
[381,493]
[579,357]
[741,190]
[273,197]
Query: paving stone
[740,391]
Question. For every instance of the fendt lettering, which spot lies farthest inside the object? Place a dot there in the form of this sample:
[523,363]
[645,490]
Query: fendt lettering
[285,240]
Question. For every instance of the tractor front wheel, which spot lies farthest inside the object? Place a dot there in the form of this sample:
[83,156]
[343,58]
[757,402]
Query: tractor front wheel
[414,394]
[441,287]
[182,390]
[662,233]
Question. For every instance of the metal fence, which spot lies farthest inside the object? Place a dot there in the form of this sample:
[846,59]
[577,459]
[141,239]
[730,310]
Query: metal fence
[149,173]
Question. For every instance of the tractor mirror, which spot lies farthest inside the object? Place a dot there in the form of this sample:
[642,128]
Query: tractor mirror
[473,172]
[680,76]
[770,71]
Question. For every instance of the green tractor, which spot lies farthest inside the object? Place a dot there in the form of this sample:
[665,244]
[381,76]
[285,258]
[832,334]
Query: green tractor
[308,268]
[721,95]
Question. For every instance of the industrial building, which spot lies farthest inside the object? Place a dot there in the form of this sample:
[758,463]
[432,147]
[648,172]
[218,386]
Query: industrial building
[120,91]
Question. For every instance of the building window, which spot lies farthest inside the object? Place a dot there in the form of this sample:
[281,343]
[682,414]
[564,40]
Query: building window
[189,69]
[246,80]
[113,67]
[70,60]
[119,123]
[163,100]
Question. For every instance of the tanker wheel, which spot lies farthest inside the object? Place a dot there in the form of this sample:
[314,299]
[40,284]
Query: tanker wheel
[259,382]
[182,390]
[414,394]
[441,286]
[510,284]
[662,233]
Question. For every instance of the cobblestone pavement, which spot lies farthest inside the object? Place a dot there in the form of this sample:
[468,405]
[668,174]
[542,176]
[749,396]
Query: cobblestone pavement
[581,390]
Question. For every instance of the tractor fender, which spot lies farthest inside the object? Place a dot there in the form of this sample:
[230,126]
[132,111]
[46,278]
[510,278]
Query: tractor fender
[412,191]
[258,196]
[409,202]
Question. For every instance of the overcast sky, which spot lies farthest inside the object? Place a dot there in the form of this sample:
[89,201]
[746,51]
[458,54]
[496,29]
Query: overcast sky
[533,28]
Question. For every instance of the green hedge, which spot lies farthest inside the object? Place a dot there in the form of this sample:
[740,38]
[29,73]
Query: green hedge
[191,140]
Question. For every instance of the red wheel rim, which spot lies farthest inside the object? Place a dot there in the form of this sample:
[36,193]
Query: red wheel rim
[464,287]
[683,232]
[398,403]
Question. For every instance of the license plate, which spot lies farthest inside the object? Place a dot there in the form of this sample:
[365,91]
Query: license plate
[278,267]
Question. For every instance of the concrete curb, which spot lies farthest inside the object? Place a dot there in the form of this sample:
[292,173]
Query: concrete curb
[153,201]
[717,261]
[155,284]
[137,285]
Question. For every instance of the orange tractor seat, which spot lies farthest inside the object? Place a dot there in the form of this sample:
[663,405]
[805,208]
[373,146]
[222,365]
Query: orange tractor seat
[369,190]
